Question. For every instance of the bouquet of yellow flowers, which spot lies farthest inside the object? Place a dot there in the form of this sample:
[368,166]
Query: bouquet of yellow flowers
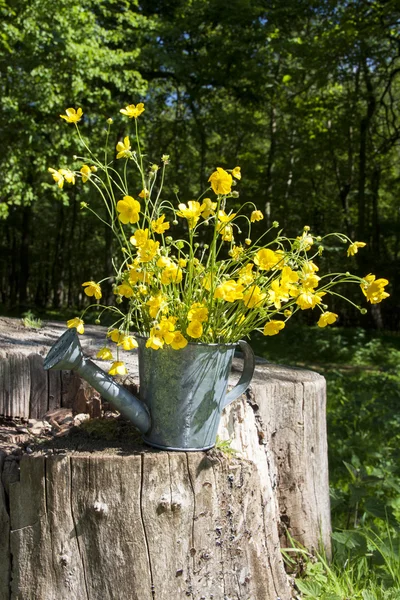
[209,286]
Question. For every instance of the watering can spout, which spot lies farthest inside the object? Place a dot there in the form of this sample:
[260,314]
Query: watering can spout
[67,354]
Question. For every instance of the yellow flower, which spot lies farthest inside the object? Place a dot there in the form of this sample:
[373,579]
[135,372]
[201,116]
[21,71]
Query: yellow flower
[159,226]
[139,238]
[221,181]
[310,281]
[373,289]
[72,115]
[224,218]
[144,193]
[128,342]
[229,291]
[266,259]
[191,212]
[133,111]
[309,267]
[124,290]
[156,304]
[273,327]
[198,312]
[147,251]
[155,340]
[92,289]
[118,368]
[182,262]
[306,299]
[164,261]
[253,297]
[195,329]
[209,208]
[236,252]
[353,248]
[227,233]
[277,294]
[129,209]
[246,275]
[68,175]
[327,318]
[207,281]
[86,173]
[236,173]
[166,327]
[104,354]
[305,241]
[57,176]
[124,148]
[136,276]
[77,323]
[171,274]
[256,215]
[247,241]
[115,335]
[178,341]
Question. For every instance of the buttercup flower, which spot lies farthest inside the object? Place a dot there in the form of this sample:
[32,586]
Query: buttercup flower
[373,289]
[353,248]
[221,182]
[155,341]
[246,275]
[104,354]
[327,318]
[118,368]
[198,312]
[77,323]
[147,251]
[86,173]
[191,212]
[133,111]
[115,335]
[273,327]
[144,193]
[156,304]
[307,299]
[92,289]
[209,208]
[229,291]
[124,148]
[256,215]
[195,329]
[266,259]
[124,290]
[129,210]
[128,342]
[171,274]
[72,115]
[68,175]
[159,226]
[140,237]
[236,252]
[236,173]
[58,177]
[253,297]
[178,342]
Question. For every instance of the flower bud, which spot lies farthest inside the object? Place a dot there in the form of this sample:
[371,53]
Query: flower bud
[131,323]
[179,245]
[196,244]
[306,228]
[165,159]
[74,157]
[83,205]
[318,238]
[363,311]
[110,121]
[320,250]
[97,321]
[154,168]
[118,300]
[169,239]
[275,224]
[174,222]
[235,194]
[247,241]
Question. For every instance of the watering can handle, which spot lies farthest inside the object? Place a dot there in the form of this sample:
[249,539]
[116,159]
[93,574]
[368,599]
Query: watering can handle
[249,364]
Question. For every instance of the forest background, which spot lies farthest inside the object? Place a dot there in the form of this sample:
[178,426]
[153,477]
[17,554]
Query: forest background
[303,95]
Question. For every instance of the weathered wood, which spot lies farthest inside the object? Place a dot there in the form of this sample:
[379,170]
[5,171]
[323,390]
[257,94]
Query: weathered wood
[39,393]
[289,407]
[54,379]
[15,385]
[5,557]
[70,382]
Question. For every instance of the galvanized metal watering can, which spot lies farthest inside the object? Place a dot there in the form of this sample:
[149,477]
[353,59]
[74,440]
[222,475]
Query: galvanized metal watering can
[182,392]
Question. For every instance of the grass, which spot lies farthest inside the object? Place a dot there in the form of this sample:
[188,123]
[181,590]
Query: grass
[362,370]
[29,320]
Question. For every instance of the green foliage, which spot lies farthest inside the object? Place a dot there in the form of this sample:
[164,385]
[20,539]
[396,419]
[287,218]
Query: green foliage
[225,447]
[29,320]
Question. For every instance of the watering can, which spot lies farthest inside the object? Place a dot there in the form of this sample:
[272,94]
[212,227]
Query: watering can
[182,392]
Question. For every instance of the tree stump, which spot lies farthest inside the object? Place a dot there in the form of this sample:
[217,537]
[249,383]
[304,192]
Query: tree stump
[149,525]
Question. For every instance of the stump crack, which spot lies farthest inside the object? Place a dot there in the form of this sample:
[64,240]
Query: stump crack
[194,508]
[153,593]
[76,532]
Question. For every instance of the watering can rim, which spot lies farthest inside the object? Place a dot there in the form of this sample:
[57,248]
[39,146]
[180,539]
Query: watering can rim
[216,344]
